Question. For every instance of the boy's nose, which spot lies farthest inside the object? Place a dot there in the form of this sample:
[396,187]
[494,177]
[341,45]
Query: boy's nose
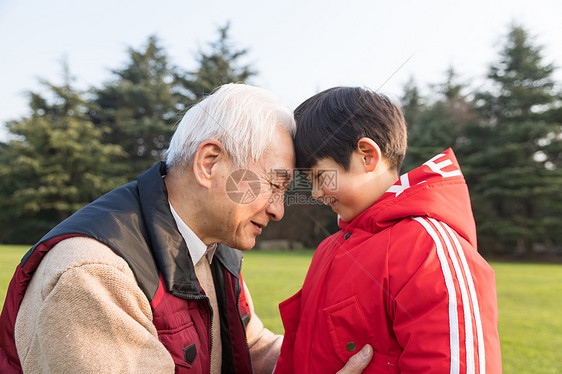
[317,192]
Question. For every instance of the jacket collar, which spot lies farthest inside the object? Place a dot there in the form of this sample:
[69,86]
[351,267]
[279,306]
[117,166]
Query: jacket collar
[436,189]
[170,250]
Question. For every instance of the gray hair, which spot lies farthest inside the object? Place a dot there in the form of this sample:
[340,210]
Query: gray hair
[241,117]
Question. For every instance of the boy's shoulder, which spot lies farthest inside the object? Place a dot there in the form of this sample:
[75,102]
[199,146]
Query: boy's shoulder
[409,238]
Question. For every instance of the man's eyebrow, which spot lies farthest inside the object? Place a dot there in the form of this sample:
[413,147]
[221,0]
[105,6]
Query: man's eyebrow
[278,174]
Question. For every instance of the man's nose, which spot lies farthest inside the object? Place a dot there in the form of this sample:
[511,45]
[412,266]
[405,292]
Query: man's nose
[276,207]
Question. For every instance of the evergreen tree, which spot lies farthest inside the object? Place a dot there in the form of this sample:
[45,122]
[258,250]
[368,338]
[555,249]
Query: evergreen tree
[146,99]
[219,66]
[141,106]
[412,103]
[54,164]
[515,184]
[438,125]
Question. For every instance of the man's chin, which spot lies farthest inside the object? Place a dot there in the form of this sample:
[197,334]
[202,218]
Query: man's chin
[248,247]
[244,245]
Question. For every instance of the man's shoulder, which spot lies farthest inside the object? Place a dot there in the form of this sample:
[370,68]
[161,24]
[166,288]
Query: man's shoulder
[111,213]
[79,251]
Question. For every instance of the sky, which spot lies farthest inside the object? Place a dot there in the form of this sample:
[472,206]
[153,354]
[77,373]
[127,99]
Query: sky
[298,47]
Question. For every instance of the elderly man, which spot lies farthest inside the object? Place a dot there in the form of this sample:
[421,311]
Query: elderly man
[144,279]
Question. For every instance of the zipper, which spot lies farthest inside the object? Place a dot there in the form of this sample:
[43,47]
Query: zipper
[201,297]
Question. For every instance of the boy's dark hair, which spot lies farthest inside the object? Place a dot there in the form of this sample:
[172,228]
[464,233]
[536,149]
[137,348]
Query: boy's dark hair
[330,124]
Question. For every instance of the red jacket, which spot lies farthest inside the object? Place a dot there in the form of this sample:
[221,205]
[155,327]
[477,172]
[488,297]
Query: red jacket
[403,276]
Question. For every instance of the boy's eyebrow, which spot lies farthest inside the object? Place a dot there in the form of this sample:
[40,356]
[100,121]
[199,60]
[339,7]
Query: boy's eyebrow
[319,173]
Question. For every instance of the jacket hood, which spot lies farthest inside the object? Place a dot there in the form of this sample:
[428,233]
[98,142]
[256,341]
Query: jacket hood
[436,189]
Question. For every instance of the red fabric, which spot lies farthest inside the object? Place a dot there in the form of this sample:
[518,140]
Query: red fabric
[403,276]
[9,360]
[181,323]
[244,307]
[236,309]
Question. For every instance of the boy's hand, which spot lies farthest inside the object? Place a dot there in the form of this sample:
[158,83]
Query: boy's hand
[358,362]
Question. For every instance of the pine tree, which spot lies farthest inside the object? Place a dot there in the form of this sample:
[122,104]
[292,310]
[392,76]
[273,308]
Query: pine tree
[219,66]
[438,125]
[54,164]
[515,180]
[412,103]
[141,106]
[147,98]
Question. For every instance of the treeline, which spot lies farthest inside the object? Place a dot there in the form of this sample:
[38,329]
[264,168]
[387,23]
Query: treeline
[76,146]
[507,134]
[508,138]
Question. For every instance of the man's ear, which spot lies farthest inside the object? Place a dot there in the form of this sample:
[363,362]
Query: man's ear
[370,153]
[206,158]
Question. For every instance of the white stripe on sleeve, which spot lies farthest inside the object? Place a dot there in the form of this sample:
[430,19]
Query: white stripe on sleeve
[449,282]
[470,369]
[478,320]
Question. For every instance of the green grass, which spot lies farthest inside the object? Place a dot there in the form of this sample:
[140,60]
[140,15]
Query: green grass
[271,278]
[10,256]
[530,316]
[529,300]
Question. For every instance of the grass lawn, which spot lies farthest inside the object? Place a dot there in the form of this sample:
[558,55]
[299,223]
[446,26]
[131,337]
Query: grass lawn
[529,298]
[530,316]
[10,256]
[273,277]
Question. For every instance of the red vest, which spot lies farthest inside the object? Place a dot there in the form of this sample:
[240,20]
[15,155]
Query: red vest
[136,223]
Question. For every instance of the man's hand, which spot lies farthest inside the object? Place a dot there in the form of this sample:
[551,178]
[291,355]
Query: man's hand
[358,362]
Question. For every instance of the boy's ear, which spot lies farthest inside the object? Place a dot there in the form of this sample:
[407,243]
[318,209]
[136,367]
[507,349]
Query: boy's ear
[209,154]
[370,153]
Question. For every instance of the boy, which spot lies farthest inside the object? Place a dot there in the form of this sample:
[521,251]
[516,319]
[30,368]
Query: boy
[403,274]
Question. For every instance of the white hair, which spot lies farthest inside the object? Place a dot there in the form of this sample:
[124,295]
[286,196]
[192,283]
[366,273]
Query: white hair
[241,117]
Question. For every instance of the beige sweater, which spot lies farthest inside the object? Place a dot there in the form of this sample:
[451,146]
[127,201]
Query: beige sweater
[83,312]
